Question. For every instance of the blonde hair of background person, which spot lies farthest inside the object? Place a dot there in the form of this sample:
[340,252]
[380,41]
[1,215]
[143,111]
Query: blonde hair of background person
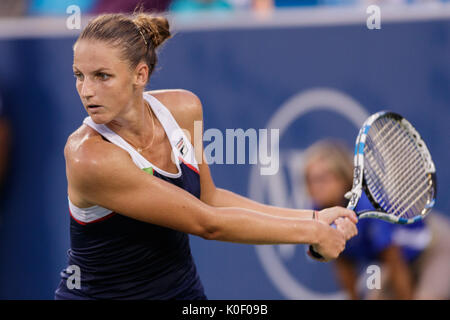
[114,57]
[330,165]
[328,174]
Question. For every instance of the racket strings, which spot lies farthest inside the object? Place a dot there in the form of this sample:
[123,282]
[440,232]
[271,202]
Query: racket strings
[411,165]
[391,155]
[416,197]
[372,150]
[398,199]
[388,194]
[395,195]
[390,163]
[394,169]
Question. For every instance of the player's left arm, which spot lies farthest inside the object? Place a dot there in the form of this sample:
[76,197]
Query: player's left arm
[218,197]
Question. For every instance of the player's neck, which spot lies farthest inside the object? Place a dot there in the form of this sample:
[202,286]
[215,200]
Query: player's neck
[133,123]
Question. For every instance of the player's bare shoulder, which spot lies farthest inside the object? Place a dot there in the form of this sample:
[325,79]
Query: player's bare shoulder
[79,142]
[86,152]
[184,105]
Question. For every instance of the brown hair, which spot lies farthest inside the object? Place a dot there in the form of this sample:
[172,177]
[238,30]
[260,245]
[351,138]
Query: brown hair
[137,35]
[337,154]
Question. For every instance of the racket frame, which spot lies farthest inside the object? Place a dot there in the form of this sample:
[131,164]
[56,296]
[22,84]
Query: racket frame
[360,185]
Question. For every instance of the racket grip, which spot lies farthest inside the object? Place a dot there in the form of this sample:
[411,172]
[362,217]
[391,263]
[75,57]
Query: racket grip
[314,254]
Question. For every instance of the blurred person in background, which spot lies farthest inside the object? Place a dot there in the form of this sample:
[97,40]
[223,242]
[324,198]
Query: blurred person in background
[10,8]
[59,7]
[415,258]
[13,8]
[200,5]
[305,3]
[187,6]
[129,6]
[5,144]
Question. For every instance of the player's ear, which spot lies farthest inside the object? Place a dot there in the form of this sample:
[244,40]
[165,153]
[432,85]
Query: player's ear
[141,74]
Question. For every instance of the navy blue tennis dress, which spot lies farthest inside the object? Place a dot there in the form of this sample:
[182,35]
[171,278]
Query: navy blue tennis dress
[121,258]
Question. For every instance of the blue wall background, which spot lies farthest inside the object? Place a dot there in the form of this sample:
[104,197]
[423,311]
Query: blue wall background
[242,77]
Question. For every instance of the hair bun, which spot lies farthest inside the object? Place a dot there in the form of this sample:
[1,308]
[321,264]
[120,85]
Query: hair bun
[155,28]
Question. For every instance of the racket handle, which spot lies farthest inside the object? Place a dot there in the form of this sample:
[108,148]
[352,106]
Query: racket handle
[314,254]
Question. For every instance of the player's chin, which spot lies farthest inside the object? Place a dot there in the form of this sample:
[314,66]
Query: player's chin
[99,117]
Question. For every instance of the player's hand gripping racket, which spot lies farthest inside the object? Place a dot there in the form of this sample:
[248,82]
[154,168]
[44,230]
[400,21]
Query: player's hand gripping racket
[393,167]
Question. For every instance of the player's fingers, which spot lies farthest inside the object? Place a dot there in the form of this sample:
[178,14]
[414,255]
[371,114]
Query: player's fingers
[349,214]
[343,212]
[339,221]
[347,227]
[350,228]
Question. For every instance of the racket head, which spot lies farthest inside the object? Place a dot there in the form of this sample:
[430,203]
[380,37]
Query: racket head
[393,167]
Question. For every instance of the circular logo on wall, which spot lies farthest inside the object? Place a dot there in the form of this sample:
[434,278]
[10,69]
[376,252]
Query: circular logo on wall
[287,190]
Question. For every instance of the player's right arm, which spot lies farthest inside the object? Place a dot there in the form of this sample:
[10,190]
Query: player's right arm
[100,173]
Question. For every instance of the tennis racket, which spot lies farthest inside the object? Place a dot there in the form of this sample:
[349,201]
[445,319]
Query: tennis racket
[393,167]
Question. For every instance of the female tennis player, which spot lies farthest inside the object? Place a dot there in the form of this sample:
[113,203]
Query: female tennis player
[137,187]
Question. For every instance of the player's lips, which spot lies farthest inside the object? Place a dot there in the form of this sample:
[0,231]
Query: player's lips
[93,106]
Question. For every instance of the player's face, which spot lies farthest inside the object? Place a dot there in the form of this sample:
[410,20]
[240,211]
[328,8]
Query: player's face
[325,187]
[103,80]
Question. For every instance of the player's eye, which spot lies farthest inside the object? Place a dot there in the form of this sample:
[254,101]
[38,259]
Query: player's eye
[103,76]
[78,76]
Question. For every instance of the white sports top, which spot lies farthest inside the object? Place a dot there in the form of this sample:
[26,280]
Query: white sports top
[182,150]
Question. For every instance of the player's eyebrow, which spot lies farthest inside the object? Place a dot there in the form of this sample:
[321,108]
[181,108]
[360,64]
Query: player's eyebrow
[102,69]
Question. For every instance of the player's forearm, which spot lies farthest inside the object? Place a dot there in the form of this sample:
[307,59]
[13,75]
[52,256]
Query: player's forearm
[225,198]
[179,210]
[250,227]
